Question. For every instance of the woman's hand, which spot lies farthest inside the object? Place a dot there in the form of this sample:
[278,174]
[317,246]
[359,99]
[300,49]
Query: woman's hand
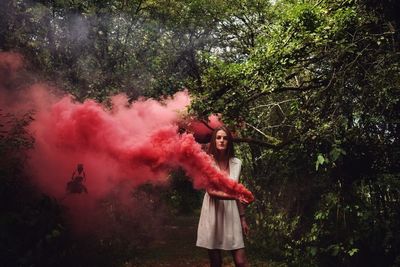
[245,201]
[245,226]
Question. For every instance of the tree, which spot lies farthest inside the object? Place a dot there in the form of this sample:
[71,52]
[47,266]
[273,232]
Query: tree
[320,86]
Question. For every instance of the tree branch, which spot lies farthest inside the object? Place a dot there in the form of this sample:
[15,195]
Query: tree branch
[263,143]
[287,89]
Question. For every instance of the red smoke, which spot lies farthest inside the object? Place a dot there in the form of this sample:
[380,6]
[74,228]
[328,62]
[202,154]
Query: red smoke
[136,143]
[202,130]
[121,146]
[9,64]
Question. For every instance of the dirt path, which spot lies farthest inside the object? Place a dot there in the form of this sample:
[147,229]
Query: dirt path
[176,247]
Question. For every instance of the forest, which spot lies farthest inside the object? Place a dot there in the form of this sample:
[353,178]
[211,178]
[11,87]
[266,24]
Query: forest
[310,88]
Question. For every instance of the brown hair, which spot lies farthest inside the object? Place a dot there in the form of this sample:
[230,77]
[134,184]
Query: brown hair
[212,148]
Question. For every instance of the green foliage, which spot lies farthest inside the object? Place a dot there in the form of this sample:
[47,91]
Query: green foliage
[321,79]
[30,224]
[180,194]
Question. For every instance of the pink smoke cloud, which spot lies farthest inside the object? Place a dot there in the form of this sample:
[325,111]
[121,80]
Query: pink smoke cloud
[121,146]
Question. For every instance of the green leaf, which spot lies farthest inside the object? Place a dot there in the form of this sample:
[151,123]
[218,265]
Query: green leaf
[353,251]
[313,251]
[320,161]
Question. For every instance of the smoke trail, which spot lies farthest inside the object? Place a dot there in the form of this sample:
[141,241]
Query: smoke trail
[139,143]
[115,145]
[121,146]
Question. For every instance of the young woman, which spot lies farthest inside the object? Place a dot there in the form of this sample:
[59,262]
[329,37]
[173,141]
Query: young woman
[222,220]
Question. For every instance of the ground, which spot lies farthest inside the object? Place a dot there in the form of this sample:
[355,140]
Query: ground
[176,247]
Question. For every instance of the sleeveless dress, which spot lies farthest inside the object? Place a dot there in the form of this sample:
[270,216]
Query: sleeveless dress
[219,224]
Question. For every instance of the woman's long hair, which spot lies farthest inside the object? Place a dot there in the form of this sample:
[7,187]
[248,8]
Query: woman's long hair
[212,148]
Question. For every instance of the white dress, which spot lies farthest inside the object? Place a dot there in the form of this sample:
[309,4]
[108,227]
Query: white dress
[219,224]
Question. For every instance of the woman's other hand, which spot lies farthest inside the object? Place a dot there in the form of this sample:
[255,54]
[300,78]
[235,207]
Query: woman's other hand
[245,226]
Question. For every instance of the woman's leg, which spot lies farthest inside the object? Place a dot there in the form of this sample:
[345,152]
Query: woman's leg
[215,257]
[239,257]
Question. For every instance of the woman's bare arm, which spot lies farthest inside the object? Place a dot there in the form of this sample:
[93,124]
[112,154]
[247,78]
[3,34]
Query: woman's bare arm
[225,196]
[241,207]
[220,195]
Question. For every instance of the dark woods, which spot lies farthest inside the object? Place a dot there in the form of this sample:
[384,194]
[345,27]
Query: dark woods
[310,88]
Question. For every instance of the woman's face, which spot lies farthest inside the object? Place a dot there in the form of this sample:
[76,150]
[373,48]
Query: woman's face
[221,140]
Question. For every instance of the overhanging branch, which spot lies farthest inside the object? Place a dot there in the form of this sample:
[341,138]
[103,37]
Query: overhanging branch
[263,143]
